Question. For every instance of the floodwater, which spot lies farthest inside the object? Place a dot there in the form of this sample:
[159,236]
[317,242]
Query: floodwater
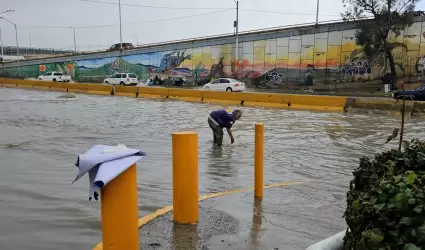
[41,136]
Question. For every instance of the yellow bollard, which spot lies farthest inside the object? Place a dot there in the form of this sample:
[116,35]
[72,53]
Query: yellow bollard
[120,212]
[185,177]
[259,161]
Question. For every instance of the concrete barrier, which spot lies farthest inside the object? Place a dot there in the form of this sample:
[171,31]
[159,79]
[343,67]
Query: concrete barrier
[276,100]
[42,85]
[185,95]
[22,84]
[77,88]
[150,92]
[59,87]
[288,101]
[125,91]
[256,99]
[99,89]
[8,83]
[232,98]
[316,102]
[335,242]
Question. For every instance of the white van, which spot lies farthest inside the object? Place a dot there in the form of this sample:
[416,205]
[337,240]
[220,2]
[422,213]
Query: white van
[123,79]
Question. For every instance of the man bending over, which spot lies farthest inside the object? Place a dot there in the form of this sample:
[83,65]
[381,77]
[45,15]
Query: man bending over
[220,119]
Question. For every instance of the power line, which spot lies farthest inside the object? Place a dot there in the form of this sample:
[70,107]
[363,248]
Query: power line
[155,7]
[288,13]
[127,24]
[198,8]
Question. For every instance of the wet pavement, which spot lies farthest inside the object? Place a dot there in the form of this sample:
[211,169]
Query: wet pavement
[291,217]
[41,136]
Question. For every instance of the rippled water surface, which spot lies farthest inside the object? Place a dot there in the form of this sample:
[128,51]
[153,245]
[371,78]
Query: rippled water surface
[41,135]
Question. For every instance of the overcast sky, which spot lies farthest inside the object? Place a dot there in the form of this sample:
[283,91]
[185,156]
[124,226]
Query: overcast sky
[45,22]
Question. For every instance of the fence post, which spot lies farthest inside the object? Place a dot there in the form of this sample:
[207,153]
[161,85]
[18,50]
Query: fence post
[259,161]
[185,177]
[120,212]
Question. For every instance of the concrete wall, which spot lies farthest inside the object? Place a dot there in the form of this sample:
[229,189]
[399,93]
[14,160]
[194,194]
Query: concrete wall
[303,55]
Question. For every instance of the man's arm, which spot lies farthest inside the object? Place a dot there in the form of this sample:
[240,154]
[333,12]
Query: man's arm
[229,131]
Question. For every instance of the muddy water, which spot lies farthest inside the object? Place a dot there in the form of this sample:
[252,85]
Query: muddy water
[41,135]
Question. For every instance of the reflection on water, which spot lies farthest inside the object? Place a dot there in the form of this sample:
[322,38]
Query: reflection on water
[42,135]
[222,163]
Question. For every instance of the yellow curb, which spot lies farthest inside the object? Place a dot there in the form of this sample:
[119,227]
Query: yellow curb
[160,212]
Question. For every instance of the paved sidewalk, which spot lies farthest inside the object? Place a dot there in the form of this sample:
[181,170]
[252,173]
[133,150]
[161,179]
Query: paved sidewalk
[287,218]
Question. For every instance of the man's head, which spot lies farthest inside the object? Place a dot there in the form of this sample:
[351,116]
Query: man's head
[238,114]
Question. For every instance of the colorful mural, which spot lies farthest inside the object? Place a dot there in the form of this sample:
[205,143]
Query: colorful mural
[305,59]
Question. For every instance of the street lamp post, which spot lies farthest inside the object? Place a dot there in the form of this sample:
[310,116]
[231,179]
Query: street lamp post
[1,39]
[17,43]
[236,25]
[1,42]
[119,9]
[75,43]
[317,13]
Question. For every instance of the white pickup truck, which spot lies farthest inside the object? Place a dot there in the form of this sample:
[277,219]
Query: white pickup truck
[55,77]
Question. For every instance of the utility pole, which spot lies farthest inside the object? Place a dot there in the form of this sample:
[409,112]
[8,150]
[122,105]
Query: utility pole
[119,8]
[17,48]
[17,43]
[236,25]
[75,41]
[317,13]
[1,42]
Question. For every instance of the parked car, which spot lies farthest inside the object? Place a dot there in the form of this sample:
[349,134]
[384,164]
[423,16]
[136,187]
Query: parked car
[125,46]
[225,84]
[158,81]
[123,79]
[417,94]
[178,80]
[55,77]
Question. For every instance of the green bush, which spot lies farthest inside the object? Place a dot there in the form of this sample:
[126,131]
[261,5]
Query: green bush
[386,201]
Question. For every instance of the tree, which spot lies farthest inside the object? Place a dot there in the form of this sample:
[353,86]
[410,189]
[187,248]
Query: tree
[385,18]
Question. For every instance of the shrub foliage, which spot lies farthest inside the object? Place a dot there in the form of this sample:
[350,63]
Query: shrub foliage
[386,201]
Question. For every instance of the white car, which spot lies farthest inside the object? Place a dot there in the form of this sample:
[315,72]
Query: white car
[55,77]
[122,79]
[225,84]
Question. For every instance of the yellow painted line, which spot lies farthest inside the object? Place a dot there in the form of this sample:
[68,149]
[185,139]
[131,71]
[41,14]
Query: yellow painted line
[160,212]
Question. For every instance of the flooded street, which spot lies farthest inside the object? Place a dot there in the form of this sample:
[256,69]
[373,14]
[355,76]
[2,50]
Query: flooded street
[41,136]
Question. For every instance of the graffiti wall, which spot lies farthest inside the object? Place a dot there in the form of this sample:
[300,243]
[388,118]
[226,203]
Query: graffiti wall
[321,57]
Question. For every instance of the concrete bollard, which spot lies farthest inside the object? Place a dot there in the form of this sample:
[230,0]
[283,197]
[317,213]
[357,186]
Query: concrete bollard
[259,161]
[185,177]
[120,212]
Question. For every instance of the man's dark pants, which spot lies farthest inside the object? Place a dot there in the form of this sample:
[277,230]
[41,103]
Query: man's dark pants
[217,132]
